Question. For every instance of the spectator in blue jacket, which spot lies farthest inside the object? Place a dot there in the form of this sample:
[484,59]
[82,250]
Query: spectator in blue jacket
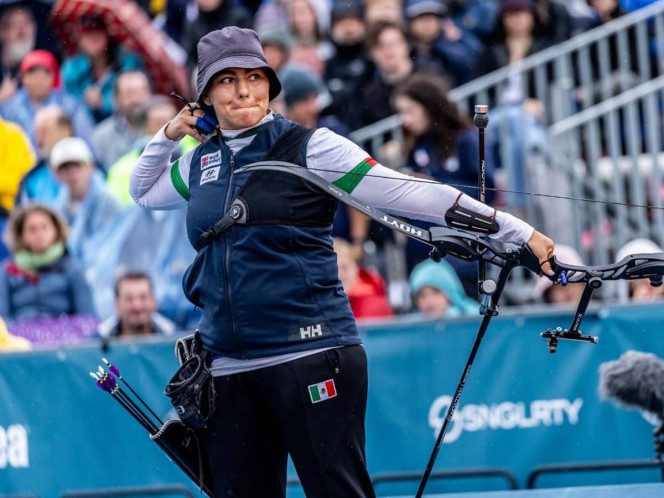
[41,279]
[86,205]
[439,44]
[51,124]
[632,5]
[40,76]
[437,291]
[476,16]
[90,74]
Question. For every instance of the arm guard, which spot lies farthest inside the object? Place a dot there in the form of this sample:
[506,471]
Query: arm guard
[467,219]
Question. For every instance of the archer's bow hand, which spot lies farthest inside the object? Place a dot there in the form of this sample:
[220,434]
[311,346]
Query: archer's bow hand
[542,248]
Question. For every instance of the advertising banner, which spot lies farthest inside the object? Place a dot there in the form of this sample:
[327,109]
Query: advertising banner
[521,407]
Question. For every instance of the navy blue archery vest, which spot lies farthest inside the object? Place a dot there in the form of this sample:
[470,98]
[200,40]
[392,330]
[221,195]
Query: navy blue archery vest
[269,286]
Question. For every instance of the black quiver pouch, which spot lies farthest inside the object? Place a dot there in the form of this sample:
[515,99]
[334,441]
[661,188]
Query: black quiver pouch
[185,449]
[191,390]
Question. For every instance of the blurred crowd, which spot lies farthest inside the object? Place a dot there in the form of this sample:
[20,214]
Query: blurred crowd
[81,94]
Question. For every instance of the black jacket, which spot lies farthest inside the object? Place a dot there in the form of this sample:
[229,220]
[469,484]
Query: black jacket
[345,73]
[229,13]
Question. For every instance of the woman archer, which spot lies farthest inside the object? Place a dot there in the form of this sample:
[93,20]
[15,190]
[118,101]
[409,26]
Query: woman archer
[289,368]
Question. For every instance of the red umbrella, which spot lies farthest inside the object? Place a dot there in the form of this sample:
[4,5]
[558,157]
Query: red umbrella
[130,27]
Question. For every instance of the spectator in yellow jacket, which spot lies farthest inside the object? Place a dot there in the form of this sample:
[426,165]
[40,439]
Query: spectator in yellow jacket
[10,343]
[16,159]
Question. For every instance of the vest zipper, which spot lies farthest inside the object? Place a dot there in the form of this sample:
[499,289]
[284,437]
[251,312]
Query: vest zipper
[229,290]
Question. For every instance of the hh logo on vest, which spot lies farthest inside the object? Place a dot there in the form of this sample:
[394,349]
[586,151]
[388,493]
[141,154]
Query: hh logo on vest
[209,160]
[309,332]
[210,175]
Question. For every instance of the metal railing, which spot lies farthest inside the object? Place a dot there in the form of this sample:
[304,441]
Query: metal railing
[612,153]
[484,473]
[566,67]
[561,76]
[474,474]
[598,136]
[175,489]
[590,467]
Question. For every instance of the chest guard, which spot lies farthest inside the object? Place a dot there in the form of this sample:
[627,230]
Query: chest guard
[269,197]
[274,198]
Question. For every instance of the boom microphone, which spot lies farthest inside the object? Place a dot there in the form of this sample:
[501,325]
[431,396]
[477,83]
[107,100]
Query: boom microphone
[635,380]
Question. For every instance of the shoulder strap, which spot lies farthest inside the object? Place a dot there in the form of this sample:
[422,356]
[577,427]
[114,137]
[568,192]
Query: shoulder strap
[288,146]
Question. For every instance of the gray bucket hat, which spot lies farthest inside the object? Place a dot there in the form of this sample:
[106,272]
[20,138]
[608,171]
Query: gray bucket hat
[232,47]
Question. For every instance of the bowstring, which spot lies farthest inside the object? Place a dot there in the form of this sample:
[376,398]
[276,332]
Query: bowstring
[475,187]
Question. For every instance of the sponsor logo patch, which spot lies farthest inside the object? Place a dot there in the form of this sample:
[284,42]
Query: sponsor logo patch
[209,160]
[210,174]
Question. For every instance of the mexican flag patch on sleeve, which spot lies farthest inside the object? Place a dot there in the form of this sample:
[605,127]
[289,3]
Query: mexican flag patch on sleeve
[322,391]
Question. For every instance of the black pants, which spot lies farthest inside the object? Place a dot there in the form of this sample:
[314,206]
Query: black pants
[264,415]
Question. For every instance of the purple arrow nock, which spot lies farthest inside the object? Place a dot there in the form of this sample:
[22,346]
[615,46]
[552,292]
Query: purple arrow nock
[111,386]
[102,385]
[111,381]
[112,368]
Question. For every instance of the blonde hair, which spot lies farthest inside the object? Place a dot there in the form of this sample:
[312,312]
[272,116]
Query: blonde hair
[14,232]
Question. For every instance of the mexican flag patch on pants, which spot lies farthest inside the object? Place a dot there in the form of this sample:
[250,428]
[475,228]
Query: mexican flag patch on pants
[322,391]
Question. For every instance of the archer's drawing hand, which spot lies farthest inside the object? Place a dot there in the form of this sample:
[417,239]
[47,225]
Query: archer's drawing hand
[542,248]
[183,124]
